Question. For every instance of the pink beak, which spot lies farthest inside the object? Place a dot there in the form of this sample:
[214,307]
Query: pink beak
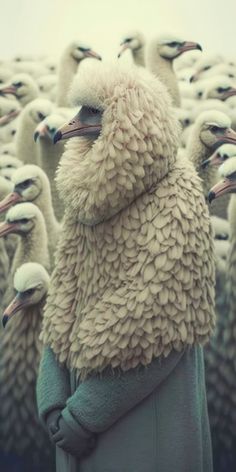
[9,201]
[221,188]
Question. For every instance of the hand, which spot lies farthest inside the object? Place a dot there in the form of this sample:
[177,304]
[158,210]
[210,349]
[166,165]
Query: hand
[52,422]
[78,443]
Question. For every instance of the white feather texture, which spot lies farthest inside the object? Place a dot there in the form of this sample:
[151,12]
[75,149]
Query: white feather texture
[23,210]
[214,118]
[226,169]
[30,275]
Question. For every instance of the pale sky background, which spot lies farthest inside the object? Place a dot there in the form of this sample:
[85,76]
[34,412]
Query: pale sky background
[46,26]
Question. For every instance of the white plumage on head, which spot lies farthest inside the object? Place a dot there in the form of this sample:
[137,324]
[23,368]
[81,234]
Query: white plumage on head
[30,275]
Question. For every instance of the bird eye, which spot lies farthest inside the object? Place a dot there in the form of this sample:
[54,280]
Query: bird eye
[18,84]
[127,40]
[206,67]
[26,183]
[80,48]
[23,221]
[173,44]
[9,166]
[199,94]
[13,132]
[232,176]
[222,89]
[224,157]
[1,81]
[41,116]
[94,111]
[53,130]
[28,293]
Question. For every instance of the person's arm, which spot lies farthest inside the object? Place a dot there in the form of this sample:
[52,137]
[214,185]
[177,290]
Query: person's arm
[102,399]
[53,385]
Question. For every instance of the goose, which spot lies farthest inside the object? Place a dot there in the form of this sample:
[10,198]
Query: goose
[33,113]
[134,41]
[160,54]
[20,429]
[25,220]
[31,185]
[72,56]
[50,155]
[23,87]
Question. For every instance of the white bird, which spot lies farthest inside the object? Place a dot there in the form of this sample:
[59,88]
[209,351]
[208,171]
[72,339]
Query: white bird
[160,54]
[23,87]
[74,53]
[134,41]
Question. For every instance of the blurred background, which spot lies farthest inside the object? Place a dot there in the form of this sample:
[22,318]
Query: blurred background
[36,27]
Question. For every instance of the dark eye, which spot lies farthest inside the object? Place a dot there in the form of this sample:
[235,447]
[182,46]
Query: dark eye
[9,166]
[1,81]
[23,221]
[13,132]
[232,176]
[173,44]
[222,89]
[206,67]
[94,111]
[41,116]
[128,40]
[18,84]
[199,94]
[26,183]
[187,122]
[217,129]
[27,293]
[53,130]
[224,157]
[80,48]
[52,68]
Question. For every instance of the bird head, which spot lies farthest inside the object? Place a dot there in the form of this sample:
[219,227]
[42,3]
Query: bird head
[133,41]
[220,88]
[22,86]
[125,139]
[48,127]
[20,219]
[9,110]
[171,47]
[213,129]
[221,155]
[204,64]
[37,110]
[80,51]
[31,282]
[228,183]
[28,184]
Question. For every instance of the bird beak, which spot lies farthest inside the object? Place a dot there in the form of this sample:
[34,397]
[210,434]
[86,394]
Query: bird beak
[4,120]
[228,93]
[214,160]
[91,53]
[7,228]
[189,46]
[228,137]
[9,201]
[40,132]
[76,128]
[9,89]
[194,77]
[124,46]
[16,305]
[221,188]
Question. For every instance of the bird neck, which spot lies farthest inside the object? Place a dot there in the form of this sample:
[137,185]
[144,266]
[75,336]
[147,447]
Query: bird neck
[67,69]
[163,69]
[138,56]
[26,150]
[197,152]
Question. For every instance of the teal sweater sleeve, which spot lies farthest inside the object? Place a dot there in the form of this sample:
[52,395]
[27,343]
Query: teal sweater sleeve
[53,384]
[101,400]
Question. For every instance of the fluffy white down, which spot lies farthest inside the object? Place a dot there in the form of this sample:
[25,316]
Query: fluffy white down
[228,167]
[227,149]
[21,211]
[29,171]
[30,275]
[213,117]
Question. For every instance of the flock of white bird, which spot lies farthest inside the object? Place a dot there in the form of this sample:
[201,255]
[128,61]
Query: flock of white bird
[33,105]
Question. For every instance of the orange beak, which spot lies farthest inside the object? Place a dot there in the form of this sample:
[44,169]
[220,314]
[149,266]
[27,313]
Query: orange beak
[76,128]
[16,305]
[221,188]
[9,201]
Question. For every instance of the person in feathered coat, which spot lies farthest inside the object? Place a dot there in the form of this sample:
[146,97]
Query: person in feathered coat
[131,301]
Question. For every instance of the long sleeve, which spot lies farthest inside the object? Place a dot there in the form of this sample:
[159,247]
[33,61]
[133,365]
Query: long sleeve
[101,400]
[53,385]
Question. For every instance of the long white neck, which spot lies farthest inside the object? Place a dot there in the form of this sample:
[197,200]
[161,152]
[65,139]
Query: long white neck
[26,149]
[50,155]
[163,69]
[138,56]
[197,152]
[67,69]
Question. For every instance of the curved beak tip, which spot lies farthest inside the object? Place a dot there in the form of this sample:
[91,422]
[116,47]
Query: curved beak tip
[198,46]
[57,137]
[211,196]
[36,135]
[204,164]
[4,320]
